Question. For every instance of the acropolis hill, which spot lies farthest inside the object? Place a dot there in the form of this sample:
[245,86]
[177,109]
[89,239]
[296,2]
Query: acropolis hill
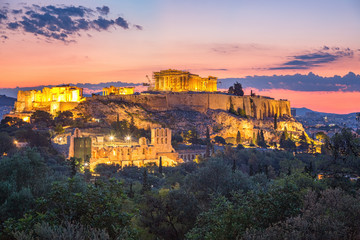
[176,99]
[181,90]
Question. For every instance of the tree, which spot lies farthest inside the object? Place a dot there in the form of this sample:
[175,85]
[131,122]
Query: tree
[275,122]
[6,143]
[204,183]
[332,214]
[145,184]
[343,146]
[132,126]
[59,129]
[102,206]
[240,212]
[75,165]
[169,215]
[107,170]
[64,118]
[176,139]
[12,122]
[286,142]
[23,178]
[253,140]
[42,117]
[219,139]
[261,140]
[207,151]
[160,166]
[207,135]
[258,138]
[304,145]
[238,138]
[236,89]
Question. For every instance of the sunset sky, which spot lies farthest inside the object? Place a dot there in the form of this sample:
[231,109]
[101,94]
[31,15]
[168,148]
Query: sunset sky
[55,42]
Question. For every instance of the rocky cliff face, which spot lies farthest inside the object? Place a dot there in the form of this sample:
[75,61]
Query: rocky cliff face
[258,107]
[108,111]
[220,122]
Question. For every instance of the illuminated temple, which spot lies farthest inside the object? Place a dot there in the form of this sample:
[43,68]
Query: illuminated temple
[118,91]
[180,81]
[55,99]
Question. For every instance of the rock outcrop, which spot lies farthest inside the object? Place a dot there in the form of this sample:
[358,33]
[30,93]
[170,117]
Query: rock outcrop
[220,122]
[258,107]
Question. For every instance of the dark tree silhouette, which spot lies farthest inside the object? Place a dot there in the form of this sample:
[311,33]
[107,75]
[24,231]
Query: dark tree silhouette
[236,89]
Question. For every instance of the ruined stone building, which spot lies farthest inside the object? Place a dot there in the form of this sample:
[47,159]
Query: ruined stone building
[127,154]
[189,155]
[118,90]
[80,146]
[55,99]
[180,81]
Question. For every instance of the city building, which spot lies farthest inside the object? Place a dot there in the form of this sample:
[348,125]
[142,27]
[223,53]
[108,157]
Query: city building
[80,146]
[180,81]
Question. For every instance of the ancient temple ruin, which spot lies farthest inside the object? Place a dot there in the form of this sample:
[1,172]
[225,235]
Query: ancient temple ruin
[55,99]
[180,81]
[128,153]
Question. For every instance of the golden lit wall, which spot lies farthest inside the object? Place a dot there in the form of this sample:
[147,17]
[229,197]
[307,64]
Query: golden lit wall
[44,99]
[180,81]
[139,154]
[118,91]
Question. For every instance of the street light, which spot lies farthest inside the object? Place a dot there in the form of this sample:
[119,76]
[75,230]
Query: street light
[128,138]
[111,138]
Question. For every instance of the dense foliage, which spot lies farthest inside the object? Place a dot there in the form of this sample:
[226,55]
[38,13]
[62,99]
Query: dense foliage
[234,194]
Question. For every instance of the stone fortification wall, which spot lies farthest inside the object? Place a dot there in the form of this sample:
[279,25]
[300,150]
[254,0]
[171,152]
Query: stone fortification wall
[254,106]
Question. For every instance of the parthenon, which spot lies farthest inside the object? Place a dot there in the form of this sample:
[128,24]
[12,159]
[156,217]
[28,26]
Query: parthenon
[180,81]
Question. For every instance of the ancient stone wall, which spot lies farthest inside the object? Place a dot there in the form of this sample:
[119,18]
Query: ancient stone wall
[255,106]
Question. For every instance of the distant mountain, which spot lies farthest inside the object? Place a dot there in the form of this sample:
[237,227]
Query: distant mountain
[7,101]
[302,112]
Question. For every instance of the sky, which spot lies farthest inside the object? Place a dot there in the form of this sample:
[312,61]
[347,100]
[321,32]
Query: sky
[88,41]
